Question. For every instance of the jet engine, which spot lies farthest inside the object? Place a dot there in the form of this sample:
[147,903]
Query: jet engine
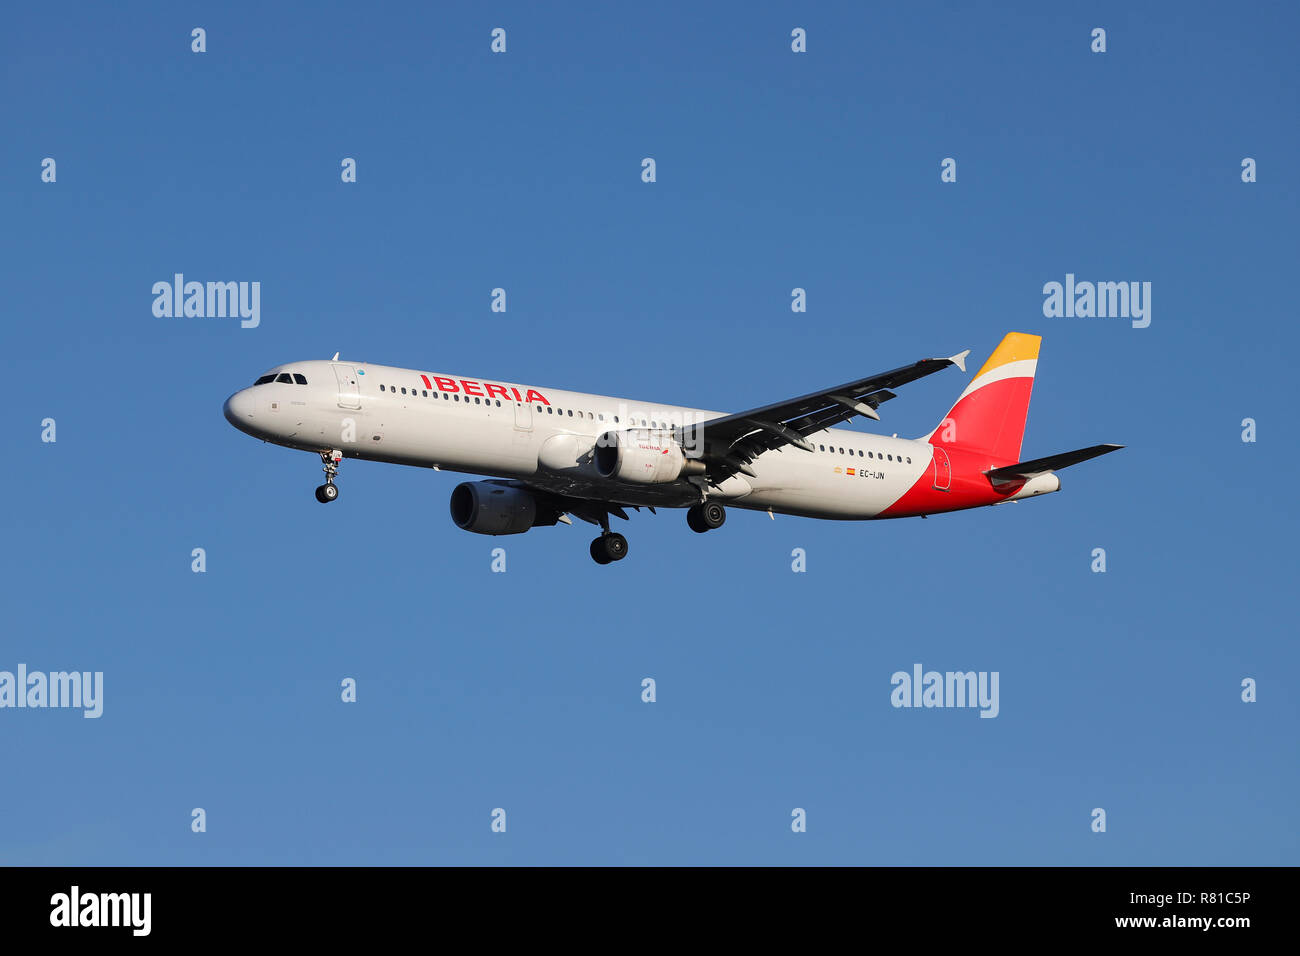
[643,457]
[487,507]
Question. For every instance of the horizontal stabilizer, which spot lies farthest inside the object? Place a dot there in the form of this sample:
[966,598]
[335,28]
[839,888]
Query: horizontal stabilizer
[1041,466]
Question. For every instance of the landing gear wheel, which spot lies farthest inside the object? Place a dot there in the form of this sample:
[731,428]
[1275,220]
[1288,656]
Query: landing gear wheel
[706,517]
[328,492]
[609,547]
[615,546]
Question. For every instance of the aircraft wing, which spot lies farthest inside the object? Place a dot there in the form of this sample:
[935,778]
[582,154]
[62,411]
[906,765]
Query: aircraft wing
[729,444]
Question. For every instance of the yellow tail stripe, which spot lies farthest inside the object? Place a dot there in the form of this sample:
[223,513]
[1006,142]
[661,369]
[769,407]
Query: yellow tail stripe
[1014,347]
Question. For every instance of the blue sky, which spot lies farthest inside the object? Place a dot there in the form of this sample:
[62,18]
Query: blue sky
[522,690]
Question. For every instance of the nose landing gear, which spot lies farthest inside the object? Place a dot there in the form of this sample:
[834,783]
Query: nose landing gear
[329,491]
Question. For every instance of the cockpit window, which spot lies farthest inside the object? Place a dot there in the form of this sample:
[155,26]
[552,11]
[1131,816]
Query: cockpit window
[300,378]
[264,379]
[284,377]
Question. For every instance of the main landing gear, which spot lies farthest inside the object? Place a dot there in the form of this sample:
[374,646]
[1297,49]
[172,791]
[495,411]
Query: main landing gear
[706,516]
[329,491]
[610,546]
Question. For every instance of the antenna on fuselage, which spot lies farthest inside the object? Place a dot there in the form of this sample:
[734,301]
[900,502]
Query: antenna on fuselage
[335,358]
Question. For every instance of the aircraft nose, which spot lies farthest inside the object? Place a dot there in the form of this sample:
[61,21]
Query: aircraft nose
[239,408]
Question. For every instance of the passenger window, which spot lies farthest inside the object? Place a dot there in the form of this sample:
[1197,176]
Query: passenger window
[381,388]
[571,413]
[909,461]
[403,391]
[615,419]
[476,401]
[423,393]
[539,409]
[455,398]
[549,410]
[284,377]
[890,457]
[601,416]
[300,378]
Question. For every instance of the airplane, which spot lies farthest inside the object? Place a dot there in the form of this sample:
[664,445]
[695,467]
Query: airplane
[555,455]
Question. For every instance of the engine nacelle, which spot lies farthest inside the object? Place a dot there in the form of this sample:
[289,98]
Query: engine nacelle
[486,507]
[643,456]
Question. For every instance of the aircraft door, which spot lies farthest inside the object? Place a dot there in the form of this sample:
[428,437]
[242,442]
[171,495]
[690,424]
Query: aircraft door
[522,448]
[349,394]
[942,470]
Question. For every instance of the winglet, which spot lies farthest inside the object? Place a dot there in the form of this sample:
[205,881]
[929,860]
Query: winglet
[959,359]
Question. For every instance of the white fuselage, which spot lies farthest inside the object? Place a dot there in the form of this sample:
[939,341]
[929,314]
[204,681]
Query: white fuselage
[545,436]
